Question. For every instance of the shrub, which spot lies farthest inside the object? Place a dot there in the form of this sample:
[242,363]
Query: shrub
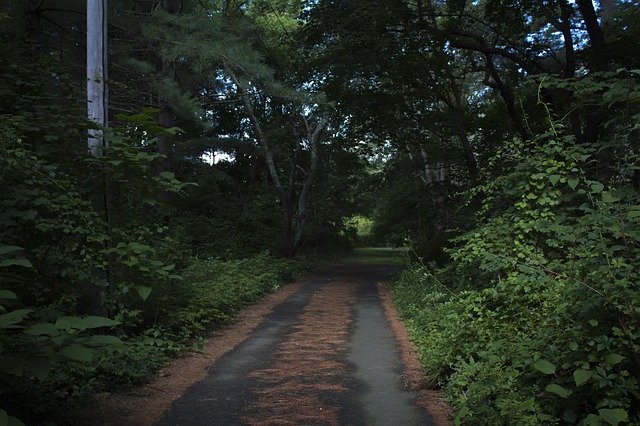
[536,319]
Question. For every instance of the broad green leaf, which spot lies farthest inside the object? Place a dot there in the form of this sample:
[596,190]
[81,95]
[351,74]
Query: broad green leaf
[13,317]
[150,200]
[554,179]
[573,183]
[15,262]
[84,323]
[544,366]
[596,187]
[42,328]
[78,352]
[581,376]
[613,359]
[613,416]
[143,291]
[38,366]
[8,295]
[608,198]
[558,390]
[12,421]
[65,323]
[633,214]
[9,249]
[11,365]
[97,322]
[168,175]
[591,419]
[4,418]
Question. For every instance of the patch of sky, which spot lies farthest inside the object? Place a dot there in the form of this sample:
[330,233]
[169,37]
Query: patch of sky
[217,156]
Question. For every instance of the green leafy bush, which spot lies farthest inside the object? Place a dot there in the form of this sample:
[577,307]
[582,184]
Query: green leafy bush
[216,290]
[536,319]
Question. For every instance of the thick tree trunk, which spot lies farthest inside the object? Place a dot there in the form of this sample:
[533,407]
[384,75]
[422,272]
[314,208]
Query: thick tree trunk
[599,62]
[313,138]
[291,241]
[596,35]
[288,245]
[492,79]
[284,197]
[166,114]
[258,133]
[428,173]
[35,25]
[563,24]
[97,112]
[470,160]
[97,73]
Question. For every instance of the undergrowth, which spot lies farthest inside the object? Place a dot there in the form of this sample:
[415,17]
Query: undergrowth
[211,294]
[536,318]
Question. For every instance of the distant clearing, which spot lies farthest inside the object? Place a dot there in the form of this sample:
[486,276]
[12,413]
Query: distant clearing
[379,255]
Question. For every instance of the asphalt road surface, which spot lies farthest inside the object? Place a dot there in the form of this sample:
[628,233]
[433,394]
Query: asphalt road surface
[326,355]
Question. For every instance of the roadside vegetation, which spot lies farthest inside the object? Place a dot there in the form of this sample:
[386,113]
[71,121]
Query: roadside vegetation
[66,359]
[498,142]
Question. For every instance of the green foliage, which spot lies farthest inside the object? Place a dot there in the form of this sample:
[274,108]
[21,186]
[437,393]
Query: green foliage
[52,358]
[216,290]
[535,320]
[32,348]
[379,255]
[107,264]
[362,227]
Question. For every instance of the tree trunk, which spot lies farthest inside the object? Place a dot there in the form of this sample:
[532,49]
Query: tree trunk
[290,241]
[507,96]
[312,137]
[600,62]
[288,246]
[470,160]
[97,73]
[166,114]
[35,25]
[97,112]
[596,35]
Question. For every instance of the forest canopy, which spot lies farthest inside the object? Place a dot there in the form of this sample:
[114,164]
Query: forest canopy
[497,140]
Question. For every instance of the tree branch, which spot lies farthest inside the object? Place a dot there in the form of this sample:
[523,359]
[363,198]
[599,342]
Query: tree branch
[257,131]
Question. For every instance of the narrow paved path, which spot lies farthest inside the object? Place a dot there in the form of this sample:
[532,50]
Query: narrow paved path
[326,355]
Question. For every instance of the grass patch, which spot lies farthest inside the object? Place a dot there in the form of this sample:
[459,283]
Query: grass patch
[379,255]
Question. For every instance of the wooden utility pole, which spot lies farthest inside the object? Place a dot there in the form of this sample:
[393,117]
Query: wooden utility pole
[97,73]
[97,108]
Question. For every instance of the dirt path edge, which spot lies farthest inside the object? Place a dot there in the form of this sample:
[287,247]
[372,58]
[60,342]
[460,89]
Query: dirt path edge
[146,404]
[432,400]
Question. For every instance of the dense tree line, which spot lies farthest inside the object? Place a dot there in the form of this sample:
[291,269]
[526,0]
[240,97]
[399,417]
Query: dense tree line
[216,149]
[510,137]
[499,140]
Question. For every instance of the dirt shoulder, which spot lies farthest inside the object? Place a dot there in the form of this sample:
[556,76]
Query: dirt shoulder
[415,378]
[146,404]
[318,371]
